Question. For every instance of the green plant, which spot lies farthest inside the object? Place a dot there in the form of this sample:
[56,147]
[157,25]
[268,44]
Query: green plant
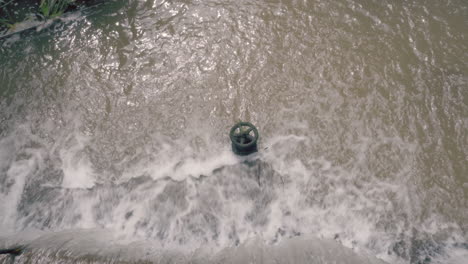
[5,17]
[53,8]
[6,23]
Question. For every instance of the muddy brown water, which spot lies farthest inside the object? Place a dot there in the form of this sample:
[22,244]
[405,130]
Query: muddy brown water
[116,118]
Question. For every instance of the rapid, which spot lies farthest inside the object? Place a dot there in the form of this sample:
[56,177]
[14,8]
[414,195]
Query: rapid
[114,126]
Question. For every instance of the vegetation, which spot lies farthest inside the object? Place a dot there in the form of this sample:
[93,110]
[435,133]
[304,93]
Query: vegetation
[6,23]
[14,12]
[5,19]
[54,8]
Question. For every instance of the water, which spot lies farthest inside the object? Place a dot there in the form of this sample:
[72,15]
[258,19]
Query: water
[114,132]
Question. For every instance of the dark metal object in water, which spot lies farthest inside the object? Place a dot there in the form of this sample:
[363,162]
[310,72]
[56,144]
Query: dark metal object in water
[12,251]
[244,137]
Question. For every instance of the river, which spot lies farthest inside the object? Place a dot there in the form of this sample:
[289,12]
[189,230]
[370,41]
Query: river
[114,126]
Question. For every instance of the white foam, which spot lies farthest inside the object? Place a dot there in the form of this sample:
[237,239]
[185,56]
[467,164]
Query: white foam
[194,166]
[76,167]
[22,162]
[314,196]
[453,256]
